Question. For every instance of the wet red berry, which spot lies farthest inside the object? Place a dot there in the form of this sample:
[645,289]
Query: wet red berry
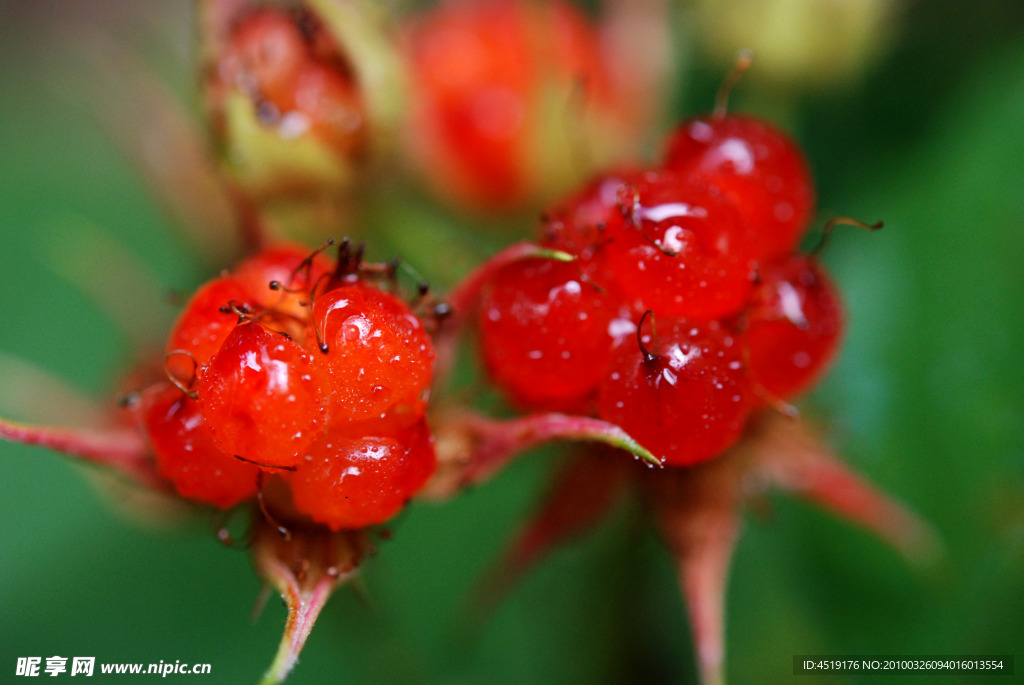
[544,333]
[682,394]
[682,249]
[262,397]
[375,352]
[754,165]
[282,280]
[795,326]
[292,267]
[186,454]
[579,225]
[351,480]
[204,325]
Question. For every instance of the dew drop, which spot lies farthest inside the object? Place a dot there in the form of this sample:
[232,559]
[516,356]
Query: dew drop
[784,211]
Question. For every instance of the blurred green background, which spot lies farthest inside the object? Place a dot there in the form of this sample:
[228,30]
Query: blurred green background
[927,401]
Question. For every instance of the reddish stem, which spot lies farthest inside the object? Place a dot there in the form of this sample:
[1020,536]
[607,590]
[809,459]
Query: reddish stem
[698,511]
[495,442]
[305,569]
[121,450]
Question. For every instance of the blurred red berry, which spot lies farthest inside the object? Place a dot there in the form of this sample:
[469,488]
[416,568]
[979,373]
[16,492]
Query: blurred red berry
[296,77]
[755,166]
[795,326]
[500,88]
[186,454]
[204,325]
[544,333]
[588,223]
[294,270]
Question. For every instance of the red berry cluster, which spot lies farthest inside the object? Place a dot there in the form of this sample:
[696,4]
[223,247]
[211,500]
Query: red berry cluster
[292,367]
[686,305]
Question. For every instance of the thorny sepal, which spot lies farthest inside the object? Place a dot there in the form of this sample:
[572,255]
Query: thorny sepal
[471,448]
[790,456]
[121,450]
[583,492]
[304,567]
[699,512]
